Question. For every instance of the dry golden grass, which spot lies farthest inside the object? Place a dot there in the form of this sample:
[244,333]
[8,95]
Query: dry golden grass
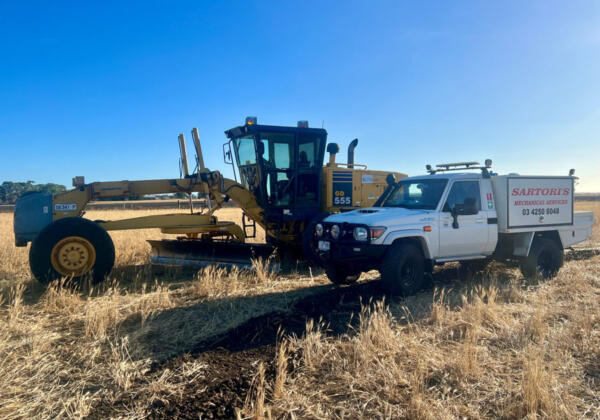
[500,347]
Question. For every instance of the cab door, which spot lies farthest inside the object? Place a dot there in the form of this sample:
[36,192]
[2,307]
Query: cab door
[471,235]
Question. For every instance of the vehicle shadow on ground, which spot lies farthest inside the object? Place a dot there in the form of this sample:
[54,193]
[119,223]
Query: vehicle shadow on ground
[248,322]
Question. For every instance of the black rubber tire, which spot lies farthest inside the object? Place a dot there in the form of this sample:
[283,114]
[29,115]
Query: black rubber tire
[468,268]
[337,275]
[545,258]
[41,248]
[403,270]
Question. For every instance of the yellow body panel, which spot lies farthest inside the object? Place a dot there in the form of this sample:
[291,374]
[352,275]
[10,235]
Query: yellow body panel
[345,188]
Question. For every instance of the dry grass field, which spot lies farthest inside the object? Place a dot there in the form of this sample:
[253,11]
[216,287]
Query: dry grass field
[152,343]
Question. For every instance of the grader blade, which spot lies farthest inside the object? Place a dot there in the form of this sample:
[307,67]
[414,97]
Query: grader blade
[198,254]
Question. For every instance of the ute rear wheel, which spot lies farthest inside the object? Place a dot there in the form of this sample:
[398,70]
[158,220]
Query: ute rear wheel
[73,248]
[545,258]
[403,270]
[338,275]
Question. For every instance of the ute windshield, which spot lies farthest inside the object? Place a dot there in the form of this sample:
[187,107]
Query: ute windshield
[422,194]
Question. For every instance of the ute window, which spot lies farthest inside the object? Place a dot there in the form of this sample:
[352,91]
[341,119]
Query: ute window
[462,191]
[422,194]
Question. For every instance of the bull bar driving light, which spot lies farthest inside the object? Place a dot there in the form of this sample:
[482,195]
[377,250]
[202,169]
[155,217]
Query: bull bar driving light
[335,231]
[319,230]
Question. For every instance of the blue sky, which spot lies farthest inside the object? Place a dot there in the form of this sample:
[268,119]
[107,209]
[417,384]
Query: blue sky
[102,89]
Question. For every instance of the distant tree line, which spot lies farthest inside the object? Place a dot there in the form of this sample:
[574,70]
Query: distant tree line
[10,191]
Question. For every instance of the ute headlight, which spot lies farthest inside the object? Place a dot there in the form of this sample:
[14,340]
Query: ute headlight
[319,230]
[335,231]
[360,234]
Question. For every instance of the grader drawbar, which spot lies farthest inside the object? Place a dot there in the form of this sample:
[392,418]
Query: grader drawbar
[279,182]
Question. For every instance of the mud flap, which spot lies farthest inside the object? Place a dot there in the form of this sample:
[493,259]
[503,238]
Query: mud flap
[198,254]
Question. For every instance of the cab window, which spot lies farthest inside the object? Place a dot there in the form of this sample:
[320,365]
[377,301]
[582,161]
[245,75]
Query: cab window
[461,192]
[308,170]
[276,154]
[245,150]
[277,150]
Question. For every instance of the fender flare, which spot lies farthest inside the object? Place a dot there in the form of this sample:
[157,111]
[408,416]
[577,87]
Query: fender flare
[409,233]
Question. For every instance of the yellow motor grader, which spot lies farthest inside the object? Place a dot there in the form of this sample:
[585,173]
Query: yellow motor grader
[283,187]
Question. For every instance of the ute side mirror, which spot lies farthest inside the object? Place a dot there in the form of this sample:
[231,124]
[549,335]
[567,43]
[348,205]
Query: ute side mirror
[468,208]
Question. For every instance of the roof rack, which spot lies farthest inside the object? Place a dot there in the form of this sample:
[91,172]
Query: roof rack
[460,166]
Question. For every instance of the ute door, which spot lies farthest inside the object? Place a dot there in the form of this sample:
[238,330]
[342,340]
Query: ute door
[471,235]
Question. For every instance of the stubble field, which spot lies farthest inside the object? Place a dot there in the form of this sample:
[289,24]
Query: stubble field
[166,343]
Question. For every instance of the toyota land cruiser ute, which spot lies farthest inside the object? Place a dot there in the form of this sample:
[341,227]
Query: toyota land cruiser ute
[454,214]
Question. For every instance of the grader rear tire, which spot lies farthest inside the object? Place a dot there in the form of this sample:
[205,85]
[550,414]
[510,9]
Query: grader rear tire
[73,248]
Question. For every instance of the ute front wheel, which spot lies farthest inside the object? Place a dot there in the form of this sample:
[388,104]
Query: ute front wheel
[73,248]
[403,270]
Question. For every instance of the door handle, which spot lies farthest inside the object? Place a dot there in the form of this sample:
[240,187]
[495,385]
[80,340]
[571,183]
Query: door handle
[480,220]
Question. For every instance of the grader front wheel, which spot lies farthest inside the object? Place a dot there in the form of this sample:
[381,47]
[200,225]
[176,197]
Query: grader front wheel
[72,248]
[73,256]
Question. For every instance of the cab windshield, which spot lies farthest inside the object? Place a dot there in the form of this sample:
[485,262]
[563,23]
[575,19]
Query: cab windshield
[422,194]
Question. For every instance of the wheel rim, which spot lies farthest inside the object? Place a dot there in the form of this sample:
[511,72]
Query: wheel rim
[73,256]
[408,273]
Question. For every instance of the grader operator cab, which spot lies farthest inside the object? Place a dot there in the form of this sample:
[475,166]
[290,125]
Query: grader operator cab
[283,187]
[281,166]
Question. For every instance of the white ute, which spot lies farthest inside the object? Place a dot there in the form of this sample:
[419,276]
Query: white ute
[453,214]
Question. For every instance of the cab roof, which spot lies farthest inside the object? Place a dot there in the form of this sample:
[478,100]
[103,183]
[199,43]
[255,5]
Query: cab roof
[253,128]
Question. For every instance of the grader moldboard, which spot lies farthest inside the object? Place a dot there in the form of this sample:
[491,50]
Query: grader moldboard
[283,187]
